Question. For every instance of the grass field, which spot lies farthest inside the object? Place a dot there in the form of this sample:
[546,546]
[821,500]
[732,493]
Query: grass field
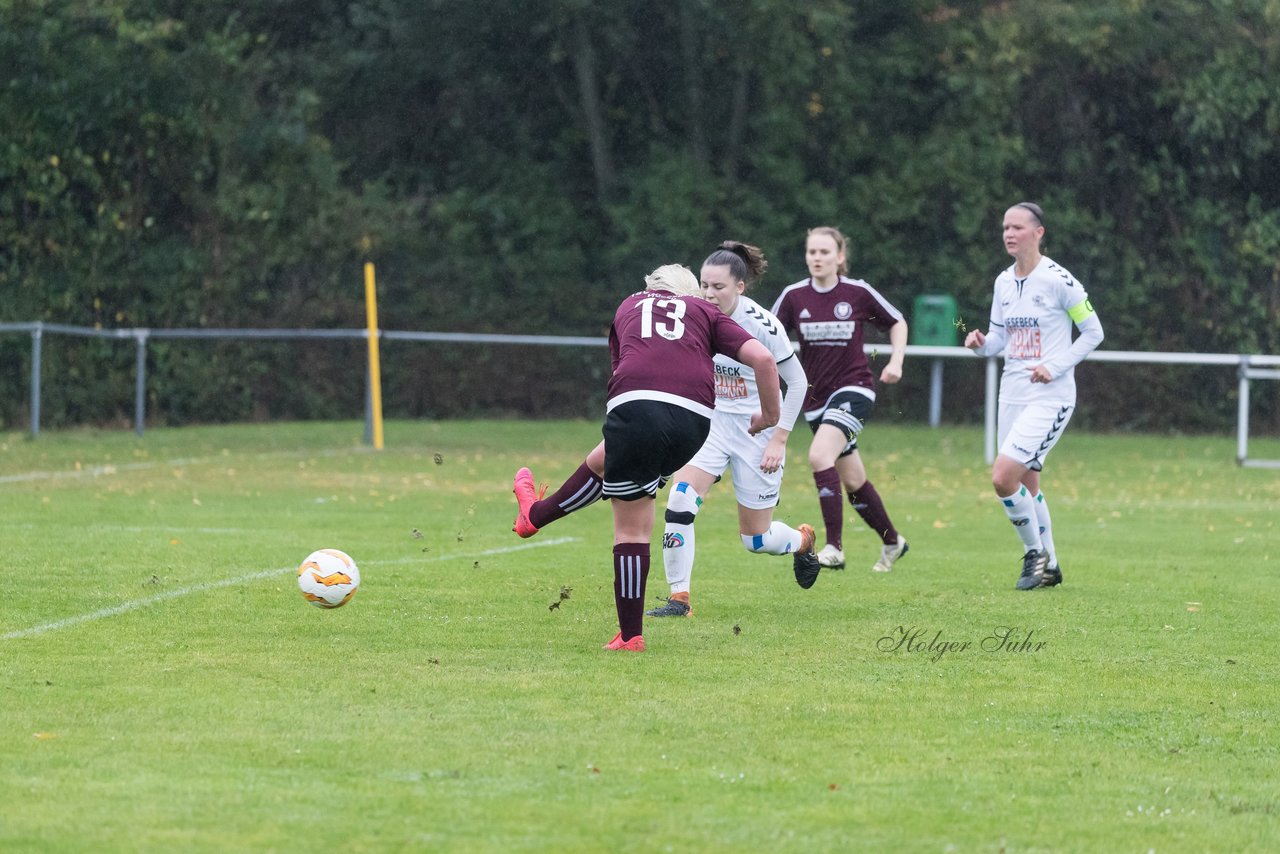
[164,687]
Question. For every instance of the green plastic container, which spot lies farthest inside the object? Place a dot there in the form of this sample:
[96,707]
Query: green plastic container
[933,320]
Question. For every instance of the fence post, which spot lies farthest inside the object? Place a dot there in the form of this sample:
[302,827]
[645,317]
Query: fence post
[37,335]
[935,393]
[1242,414]
[933,323]
[140,381]
[373,422]
[368,405]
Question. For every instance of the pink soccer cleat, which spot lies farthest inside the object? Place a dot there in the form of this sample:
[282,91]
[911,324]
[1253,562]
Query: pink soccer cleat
[636,644]
[526,494]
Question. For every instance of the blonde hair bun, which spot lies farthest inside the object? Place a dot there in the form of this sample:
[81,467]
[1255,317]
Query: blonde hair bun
[673,278]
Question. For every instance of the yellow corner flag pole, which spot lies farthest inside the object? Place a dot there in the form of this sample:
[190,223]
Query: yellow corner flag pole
[375,369]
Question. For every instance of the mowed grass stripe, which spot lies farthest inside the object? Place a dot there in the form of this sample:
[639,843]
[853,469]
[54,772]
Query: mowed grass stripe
[125,607]
[107,469]
[462,702]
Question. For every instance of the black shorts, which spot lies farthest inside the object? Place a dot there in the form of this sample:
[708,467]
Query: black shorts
[645,442]
[848,412]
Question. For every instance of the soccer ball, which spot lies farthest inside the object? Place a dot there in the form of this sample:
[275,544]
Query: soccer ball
[328,578]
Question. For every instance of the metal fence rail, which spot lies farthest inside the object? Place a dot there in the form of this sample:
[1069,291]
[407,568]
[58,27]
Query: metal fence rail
[1248,367]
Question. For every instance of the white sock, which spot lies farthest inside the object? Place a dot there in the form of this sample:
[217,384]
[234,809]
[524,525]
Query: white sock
[780,539]
[677,537]
[1046,528]
[1021,510]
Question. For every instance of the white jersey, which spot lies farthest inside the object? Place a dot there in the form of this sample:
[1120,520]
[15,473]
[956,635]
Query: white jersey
[1031,320]
[736,391]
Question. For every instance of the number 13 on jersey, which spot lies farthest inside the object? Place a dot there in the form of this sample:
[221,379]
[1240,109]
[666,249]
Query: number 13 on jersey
[667,322]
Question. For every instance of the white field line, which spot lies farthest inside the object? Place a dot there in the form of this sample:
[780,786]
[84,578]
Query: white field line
[125,607]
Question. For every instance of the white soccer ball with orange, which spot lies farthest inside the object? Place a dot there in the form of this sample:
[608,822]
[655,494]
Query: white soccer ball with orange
[328,578]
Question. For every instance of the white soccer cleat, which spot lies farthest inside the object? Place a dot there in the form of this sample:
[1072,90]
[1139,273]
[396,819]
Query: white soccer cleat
[831,557]
[890,554]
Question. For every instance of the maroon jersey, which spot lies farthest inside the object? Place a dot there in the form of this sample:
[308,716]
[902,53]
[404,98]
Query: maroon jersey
[661,346]
[829,327]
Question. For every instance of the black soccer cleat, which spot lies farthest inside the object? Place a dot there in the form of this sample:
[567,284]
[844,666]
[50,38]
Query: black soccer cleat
[1034,564]
[804,561]
[1052,577]
[673,608]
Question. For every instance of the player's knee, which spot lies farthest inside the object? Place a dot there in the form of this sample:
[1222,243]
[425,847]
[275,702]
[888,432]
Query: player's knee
[1004,484]
[682,504]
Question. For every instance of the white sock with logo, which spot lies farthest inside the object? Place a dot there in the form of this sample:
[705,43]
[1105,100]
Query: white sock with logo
[780,539]
[1021,510]
[677,537]
[1046,527]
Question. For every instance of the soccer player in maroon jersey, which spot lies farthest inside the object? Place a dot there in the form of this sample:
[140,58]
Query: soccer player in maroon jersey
[757,462]
[827,313]
[660,399]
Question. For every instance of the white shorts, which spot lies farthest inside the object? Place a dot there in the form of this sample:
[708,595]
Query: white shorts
[1026,432]
[730,446]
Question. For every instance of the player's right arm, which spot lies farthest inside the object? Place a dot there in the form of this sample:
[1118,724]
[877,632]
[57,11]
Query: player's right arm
[992,343]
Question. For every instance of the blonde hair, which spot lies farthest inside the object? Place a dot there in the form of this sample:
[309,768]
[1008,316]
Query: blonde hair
[834,233]
[673,278]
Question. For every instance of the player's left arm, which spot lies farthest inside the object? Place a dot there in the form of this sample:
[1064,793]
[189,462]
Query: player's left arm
[757,356]
[615,349]
[793,377]
[1086,320]
[898,342]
